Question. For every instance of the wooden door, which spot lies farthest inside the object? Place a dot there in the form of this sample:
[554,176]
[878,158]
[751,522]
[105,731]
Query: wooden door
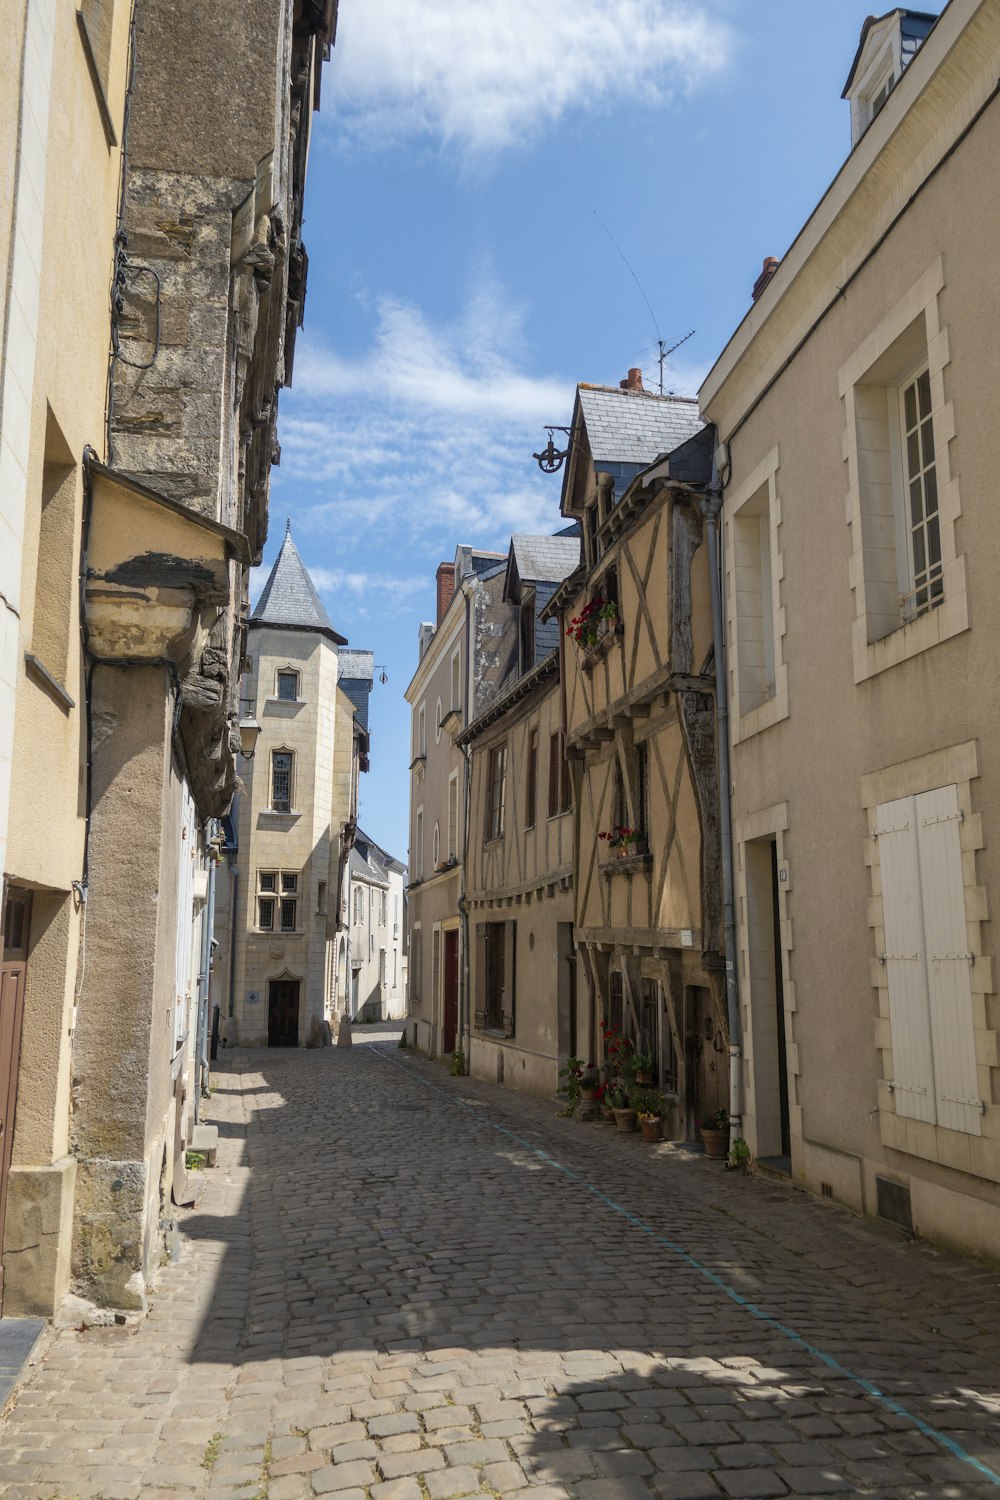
[283,1013]
[450,1018]
[13,973]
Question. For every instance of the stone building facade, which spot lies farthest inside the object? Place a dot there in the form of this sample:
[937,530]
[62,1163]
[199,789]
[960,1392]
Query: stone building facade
[464,657]
[371,965]
[191,153]
[858,464]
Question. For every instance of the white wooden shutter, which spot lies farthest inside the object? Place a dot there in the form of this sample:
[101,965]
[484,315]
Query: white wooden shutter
[906,970]
[949,987]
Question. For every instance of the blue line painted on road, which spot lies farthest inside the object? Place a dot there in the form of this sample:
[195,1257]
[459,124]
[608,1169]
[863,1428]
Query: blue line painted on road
[942,1438]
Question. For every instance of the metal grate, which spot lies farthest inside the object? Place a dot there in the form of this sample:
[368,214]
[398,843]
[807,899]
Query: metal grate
[894,1202]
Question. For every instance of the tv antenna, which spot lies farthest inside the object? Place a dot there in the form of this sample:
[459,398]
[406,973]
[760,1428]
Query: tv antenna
[661,343]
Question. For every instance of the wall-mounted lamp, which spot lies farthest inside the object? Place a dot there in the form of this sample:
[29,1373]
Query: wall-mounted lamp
[249,734]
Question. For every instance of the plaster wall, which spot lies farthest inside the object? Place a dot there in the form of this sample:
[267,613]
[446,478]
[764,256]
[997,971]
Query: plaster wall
[841,731]
[57,171]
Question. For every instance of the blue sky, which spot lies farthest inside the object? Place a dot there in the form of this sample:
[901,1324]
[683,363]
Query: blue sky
[460,284]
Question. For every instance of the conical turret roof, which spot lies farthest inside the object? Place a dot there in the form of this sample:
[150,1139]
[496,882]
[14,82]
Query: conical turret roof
[289,598]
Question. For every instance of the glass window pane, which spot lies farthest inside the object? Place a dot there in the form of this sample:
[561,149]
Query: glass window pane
[919,557]
[927,441]
[912,455]
[924,392]
[266,914]
[910,407]
[930,492]
[916,503]
[288,916]
[267,880]
[289,882]
[287,684]
[933,541]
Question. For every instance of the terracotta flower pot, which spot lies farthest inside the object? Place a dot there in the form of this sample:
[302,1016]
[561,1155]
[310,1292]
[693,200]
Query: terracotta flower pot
[652,1129]
[625,1120]
[716,1143]
[607,1113]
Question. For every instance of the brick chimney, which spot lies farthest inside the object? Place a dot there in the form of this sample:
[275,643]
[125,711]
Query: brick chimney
[634,381]
[445,587]
[771,264]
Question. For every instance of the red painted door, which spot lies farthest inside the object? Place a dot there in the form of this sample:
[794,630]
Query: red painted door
[450,1019]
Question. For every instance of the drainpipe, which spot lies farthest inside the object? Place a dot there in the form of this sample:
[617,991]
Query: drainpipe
[207,925]
[711,508]
[234,892]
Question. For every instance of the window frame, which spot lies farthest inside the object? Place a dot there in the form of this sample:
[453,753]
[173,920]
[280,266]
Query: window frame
[531,779]
[290,799]
[878,641]
[496,791]
[284,674]
[280,894]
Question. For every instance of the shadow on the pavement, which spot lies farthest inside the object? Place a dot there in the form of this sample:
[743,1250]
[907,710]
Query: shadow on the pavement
[393,1209]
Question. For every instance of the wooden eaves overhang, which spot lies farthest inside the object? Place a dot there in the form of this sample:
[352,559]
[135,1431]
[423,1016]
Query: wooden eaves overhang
[522,688]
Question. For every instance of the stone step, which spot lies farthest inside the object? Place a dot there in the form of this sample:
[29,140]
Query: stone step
[205,1138]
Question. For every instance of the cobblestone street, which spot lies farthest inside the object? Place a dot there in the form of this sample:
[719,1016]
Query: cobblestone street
[404,1286]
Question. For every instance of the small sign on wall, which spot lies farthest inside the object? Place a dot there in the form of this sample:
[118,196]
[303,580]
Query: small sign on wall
[253,997]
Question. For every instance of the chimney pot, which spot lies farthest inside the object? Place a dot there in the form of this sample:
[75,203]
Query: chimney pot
[771,264]
[445,588]
[634,381]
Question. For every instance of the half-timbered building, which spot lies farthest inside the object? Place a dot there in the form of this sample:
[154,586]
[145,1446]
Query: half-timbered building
[638,681]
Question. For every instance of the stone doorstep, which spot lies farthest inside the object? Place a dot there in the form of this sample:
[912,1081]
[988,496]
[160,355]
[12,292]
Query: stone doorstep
[19,1341]
[205,1138]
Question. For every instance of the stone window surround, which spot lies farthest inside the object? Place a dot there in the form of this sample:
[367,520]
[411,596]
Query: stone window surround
[952,616]
[955,765]
[776,707]
[766,823]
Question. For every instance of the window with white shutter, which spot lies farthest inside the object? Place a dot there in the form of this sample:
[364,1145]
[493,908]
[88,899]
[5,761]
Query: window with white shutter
[927,960]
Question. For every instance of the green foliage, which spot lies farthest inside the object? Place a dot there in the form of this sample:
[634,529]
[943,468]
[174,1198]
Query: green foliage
[457,1065]
[739,1155]
[648,1101]
[195,1161]
[571,1086]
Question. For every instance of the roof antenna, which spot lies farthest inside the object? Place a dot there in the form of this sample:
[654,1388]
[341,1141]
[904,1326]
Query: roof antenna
[666,353]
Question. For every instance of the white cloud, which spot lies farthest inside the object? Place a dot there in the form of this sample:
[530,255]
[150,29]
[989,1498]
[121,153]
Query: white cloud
[487,76]
[426,439]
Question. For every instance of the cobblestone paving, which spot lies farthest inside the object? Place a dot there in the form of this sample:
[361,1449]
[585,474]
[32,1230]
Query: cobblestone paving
[403,1286]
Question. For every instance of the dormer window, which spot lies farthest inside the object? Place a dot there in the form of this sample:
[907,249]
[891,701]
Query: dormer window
[888,45]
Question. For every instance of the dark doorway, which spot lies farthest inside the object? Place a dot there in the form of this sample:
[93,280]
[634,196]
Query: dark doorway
[779,1005]
[568,1038]
[450,1018]
[283,1013]
[706,1080]
[13,973]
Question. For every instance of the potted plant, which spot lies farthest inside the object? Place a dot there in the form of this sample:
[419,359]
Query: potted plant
[644,1068]
[621,841]
[625,1114]
[596,620]
[715,1134]
[601,1102]
[651,1107]
[618,1054]
[571,1087]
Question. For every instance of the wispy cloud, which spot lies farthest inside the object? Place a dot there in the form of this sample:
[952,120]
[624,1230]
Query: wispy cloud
[485,77]
[427,437]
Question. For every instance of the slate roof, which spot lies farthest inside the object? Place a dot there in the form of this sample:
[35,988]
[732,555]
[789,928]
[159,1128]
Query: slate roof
[548,558]
[355,671]
[369,861]
[289,596]
[634,427]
